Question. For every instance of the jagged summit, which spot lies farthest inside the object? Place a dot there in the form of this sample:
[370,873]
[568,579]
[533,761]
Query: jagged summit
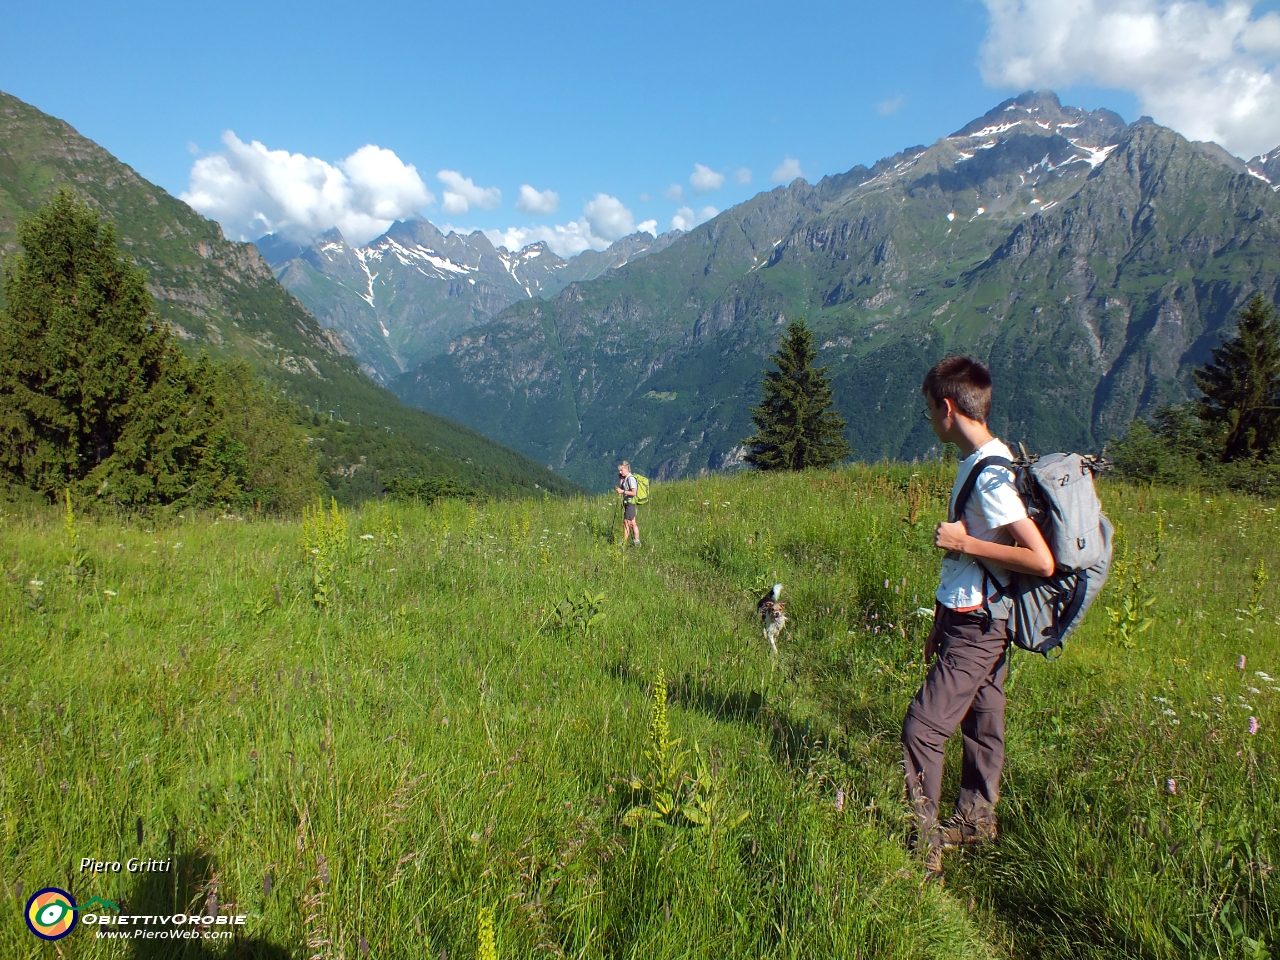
[1043,111]
[1267,168]
[400,298]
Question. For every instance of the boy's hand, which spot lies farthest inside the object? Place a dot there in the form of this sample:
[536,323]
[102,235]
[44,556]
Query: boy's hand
[951,537]
[931,645]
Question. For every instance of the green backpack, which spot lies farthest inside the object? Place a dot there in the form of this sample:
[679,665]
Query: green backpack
[642,488]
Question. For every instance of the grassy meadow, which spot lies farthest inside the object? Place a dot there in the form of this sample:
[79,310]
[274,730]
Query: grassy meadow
[369,729]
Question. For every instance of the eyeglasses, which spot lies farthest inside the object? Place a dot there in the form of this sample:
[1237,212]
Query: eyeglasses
[927,414]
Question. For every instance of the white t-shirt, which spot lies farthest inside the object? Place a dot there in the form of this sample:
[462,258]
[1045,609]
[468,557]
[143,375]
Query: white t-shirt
[993,504]
[629,486]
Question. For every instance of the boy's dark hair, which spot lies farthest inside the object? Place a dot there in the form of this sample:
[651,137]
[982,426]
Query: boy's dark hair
[964,381]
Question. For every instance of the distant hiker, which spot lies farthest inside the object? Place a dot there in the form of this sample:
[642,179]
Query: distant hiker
[970,638]
[627,487]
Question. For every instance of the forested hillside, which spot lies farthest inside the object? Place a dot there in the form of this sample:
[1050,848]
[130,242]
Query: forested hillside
[221,298]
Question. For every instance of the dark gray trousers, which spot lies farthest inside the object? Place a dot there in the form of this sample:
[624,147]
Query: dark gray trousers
[964,688]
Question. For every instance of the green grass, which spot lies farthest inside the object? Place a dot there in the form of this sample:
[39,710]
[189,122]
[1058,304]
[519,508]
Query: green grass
[435,740]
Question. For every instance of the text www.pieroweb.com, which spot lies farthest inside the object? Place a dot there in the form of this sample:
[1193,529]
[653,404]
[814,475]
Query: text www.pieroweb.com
[175,927]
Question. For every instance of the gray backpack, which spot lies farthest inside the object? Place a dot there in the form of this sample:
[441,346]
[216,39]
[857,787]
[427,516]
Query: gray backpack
[1059,495]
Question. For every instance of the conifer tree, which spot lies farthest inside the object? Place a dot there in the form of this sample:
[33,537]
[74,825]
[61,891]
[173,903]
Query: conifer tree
[1241,385]
[796,426]
[93,393]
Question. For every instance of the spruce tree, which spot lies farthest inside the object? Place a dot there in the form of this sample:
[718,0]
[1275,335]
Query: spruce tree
[796,426]
[1241,385]
[94,395]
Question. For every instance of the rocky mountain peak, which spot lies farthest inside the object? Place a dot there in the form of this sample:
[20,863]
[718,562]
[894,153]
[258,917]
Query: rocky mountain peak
[1267,168]
[1042,114]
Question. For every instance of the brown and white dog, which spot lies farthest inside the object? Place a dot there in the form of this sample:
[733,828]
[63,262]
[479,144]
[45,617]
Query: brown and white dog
[773,615]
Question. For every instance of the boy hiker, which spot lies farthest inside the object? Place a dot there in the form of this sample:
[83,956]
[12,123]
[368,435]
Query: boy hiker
[627,488]
[969,639]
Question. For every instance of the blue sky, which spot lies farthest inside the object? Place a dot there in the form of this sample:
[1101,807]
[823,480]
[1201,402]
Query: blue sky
[580,99]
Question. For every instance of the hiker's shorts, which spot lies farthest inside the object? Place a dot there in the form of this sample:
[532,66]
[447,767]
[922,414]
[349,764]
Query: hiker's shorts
[629,511]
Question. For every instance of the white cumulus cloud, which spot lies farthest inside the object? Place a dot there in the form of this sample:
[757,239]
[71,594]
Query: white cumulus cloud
[686,219]
[461,194]
[251,190]
[787,170]
[704,179]
[609,217]
[1209,71]
[743,176]
[604,219]
[675,193]
[537,201]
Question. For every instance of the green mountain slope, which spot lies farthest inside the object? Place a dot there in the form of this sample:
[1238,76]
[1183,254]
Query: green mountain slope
[221,297]
[1091,262]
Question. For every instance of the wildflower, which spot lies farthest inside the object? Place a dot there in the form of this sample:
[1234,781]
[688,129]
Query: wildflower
[1262,676]
[366,536]
[839,800]
[886,584]
[37,583]
[1240,662]
[1169,713]
[485,947]
[1171,785]
[110,593]
[1253,726]
[444,721]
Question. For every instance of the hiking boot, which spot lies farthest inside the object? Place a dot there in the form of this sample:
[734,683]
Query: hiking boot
[962,832]
[933,865]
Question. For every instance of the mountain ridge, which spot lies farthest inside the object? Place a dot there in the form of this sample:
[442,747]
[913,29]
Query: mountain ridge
[958,245]
[398,299]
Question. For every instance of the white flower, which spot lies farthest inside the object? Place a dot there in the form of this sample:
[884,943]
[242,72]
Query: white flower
[366,536]
[37,583]
[110,593]
[1169,713]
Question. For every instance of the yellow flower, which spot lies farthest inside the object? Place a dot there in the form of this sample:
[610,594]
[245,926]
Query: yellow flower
[485,949]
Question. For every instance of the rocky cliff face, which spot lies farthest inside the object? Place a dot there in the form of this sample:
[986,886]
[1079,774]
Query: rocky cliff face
[401,298]
[1091,262]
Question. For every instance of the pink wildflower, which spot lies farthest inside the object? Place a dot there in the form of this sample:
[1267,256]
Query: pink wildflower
[1253,726]
[1171,785]
[839,800]
[1240,662]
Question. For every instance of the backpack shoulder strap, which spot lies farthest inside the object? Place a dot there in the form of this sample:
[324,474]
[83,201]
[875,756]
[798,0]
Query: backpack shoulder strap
[966,489]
